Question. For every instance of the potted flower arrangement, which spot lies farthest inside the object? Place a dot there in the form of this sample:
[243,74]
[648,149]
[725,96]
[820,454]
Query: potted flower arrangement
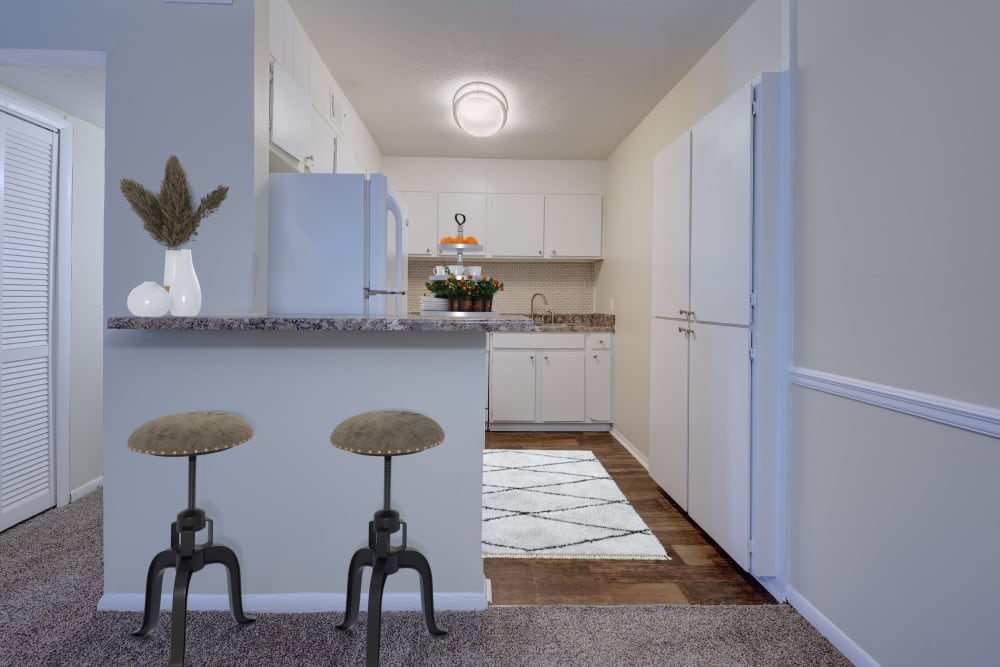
[466,294]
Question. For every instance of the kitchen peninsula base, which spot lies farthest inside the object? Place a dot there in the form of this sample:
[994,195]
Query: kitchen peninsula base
[291,505]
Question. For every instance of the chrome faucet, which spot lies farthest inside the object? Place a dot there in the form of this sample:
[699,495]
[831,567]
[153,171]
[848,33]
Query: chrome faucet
[544,301]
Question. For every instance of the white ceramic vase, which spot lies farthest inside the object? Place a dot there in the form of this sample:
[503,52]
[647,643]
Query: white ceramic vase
[185,290]
[148,300]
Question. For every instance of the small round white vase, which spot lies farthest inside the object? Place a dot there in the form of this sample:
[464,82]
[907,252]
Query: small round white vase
[185,290]
[148,300]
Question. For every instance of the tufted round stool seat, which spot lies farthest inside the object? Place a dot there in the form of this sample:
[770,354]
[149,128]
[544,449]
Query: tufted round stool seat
[189,434]
[386,433]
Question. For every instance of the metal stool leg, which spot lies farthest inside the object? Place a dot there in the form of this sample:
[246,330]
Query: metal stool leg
[226,556]
[375,612]
[414,560]
[359,560]
[178,616]
[154,584]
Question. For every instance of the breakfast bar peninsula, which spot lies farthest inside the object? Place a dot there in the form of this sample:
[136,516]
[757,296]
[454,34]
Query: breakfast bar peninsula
[291,506]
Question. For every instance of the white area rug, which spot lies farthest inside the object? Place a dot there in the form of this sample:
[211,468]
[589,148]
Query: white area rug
[559,504]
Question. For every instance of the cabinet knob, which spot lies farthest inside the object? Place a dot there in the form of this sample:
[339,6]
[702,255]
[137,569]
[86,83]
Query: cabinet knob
[595,356]
[532,357]
[553,253]
[539,252]
[428,251]
[308,158]
[546,357]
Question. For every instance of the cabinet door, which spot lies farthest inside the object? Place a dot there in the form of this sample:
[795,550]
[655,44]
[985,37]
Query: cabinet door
[722,211]
[561,383]
[668,408]
[514,225]
[512,386]
[671,233]
[573,226]
[422,235]
[472,206]
[719,444]
[291,114]
[599,385]
[320,157]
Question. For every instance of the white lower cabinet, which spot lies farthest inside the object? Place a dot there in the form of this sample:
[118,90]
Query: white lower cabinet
[550,378]
[512,380]
[561,386]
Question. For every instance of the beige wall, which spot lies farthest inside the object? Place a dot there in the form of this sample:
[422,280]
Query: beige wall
[751,46]
[893,519]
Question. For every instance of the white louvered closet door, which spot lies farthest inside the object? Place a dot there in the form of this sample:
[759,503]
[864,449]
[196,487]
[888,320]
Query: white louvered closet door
[27,214]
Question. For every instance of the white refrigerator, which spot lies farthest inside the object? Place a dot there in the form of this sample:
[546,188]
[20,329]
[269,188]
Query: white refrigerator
[336,246]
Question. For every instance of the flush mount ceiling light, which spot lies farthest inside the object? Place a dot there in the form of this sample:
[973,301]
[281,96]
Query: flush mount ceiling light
[480,109]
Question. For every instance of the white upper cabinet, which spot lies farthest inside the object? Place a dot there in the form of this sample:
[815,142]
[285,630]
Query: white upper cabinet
[291,116]
[671,233]
[722,226]
[422,236]
[572,226]
[514,224]
[472,206]
[320,157]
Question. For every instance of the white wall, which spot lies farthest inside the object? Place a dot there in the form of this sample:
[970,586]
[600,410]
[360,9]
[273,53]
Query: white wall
[749,47]
[180,80]
[86,303]
[893,519]
[427,174]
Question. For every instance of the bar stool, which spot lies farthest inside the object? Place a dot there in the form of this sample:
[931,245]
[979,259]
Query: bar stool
[386,433]
[189,434]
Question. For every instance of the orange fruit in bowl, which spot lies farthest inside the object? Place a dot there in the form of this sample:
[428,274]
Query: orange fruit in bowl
[471,240]
[446,239]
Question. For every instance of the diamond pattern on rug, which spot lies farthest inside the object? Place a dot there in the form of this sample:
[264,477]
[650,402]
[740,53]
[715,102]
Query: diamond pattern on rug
[541,503]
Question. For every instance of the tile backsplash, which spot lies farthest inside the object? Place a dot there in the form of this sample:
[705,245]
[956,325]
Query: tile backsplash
[568,286]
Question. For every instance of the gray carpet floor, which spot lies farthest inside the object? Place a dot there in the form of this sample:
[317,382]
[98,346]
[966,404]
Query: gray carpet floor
[51,580]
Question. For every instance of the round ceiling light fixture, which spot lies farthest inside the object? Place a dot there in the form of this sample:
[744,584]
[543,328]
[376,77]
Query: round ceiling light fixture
[480,109]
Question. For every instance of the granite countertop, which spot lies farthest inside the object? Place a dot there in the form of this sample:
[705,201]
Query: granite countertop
[322,323]
[575,323]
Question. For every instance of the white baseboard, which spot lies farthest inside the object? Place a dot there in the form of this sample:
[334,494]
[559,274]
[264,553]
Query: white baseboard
[630,448]
[826,627]
[297,603]
[84,489]
[531,426]
[773,586]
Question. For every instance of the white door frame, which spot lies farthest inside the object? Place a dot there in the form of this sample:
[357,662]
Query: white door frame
[19,106]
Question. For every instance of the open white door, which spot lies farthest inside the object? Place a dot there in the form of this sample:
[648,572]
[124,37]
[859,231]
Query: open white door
[27,216]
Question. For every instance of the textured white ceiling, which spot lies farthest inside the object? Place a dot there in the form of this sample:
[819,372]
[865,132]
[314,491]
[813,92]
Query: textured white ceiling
[79,91]
[579,74]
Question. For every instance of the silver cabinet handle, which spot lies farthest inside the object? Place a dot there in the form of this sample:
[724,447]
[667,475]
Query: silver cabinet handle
[685,331]
[685,312]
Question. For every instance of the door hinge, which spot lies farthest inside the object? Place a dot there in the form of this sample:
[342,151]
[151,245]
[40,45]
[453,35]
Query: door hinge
[753,299]
[750,546]
[753,353]
[754,105]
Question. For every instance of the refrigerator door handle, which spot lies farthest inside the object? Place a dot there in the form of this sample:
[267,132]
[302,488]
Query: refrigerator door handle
[398,215]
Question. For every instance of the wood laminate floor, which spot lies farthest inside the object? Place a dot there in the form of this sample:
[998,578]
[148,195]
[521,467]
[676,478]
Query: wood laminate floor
[700,573]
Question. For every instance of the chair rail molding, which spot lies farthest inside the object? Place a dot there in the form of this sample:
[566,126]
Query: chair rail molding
[968,416]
